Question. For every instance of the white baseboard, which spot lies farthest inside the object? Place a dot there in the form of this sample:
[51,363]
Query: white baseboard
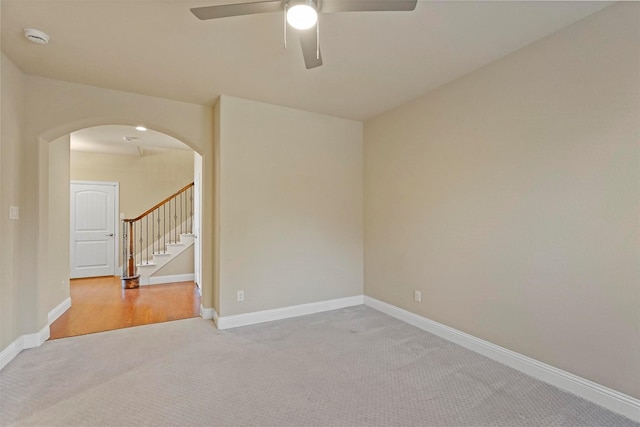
[37,339]
[23,342]
[12,350]
[227,322]
[158,280]
[613,400]
[59,310]
[208,313]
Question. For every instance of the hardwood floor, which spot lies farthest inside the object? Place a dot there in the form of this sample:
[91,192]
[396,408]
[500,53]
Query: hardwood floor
[100,304]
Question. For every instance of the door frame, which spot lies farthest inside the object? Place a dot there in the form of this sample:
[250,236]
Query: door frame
[116,219]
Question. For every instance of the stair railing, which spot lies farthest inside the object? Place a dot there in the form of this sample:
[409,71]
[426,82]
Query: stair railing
[151,232]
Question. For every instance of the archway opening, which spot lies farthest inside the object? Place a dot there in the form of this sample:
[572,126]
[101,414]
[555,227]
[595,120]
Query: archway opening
[145,167]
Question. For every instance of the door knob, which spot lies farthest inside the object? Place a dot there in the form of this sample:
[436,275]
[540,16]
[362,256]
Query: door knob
[110,235]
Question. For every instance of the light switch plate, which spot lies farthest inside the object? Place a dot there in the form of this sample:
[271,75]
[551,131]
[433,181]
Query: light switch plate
[14,212]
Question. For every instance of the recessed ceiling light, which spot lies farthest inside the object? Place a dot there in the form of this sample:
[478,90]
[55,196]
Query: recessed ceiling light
[36,36]
[141,128]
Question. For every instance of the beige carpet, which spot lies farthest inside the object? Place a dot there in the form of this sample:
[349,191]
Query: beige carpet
[350,367]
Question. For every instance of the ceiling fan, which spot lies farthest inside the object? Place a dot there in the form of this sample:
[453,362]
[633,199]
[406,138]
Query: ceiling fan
[302,15]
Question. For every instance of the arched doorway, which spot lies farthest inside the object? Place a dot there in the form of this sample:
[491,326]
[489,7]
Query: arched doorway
[148,166]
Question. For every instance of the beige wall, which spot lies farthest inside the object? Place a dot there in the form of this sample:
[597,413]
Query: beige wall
[290,206]
[56,281]
[510,198]
[56,109]
[11,123]
[144,181]
[215,178]
[181,264]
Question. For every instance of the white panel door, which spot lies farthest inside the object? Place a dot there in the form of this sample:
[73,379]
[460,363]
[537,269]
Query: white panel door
[93,223]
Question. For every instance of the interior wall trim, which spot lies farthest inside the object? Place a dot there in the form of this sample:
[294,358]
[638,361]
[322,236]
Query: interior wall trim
[12,350]
[59,310]
[23,342]
[227,322]
[27,341]
[208,313]
[158,280]
[611,399]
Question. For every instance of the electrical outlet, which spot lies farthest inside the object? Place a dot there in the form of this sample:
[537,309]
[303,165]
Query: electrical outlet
[417,296]
[240,296]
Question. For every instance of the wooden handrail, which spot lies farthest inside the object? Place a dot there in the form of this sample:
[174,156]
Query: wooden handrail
[148,211]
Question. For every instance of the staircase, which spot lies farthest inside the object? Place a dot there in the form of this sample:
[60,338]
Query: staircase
[152,240]
[147,268]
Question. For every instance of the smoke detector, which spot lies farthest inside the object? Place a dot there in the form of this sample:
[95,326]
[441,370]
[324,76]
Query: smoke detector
[36,36]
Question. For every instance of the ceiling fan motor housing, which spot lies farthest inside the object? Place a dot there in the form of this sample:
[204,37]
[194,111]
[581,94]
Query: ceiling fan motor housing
[310,3]
[302,14]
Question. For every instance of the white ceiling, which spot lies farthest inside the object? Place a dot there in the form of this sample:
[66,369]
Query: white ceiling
[110,140]
[373,61]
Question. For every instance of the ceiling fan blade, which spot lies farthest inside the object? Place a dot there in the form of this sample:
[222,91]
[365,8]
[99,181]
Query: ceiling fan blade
[309,42]
[329,6]
[226,10]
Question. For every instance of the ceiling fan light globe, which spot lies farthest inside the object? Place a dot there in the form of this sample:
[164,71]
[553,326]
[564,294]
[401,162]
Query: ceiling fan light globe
[302,16]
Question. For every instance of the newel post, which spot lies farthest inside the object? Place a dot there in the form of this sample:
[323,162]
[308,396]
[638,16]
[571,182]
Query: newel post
[130,278]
